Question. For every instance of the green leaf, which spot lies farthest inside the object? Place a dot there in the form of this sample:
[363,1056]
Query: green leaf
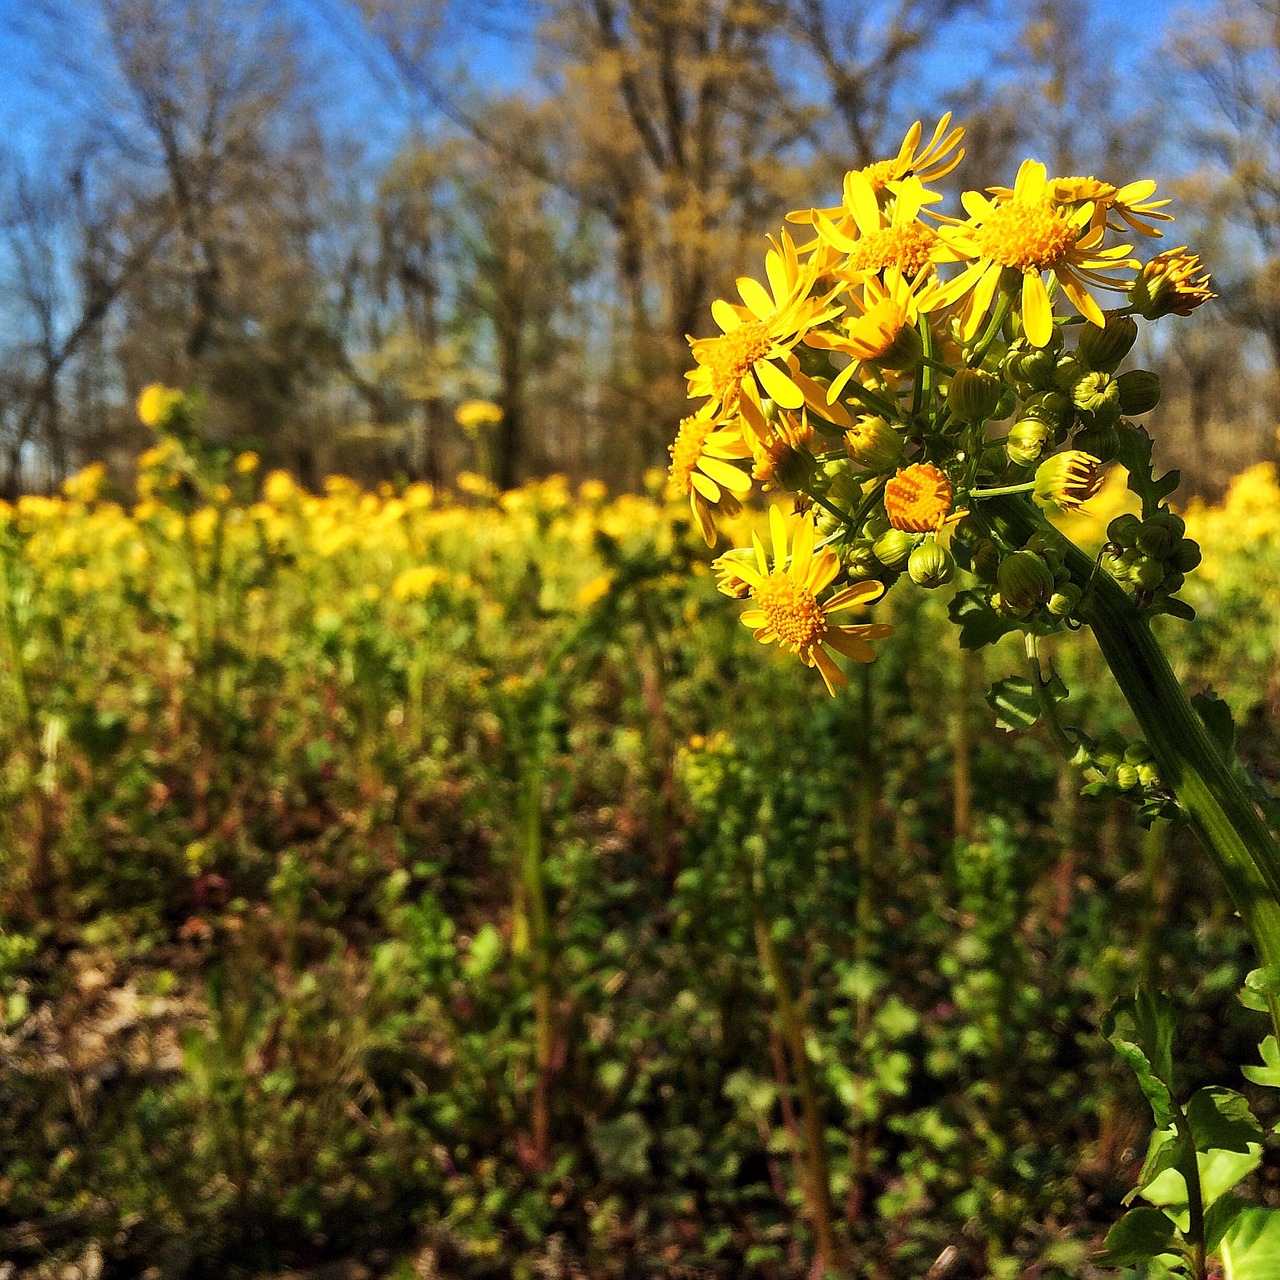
[1141,1031]
[1134,455]
[1218,722]
[1141,1234]
[1269,1073]
[1220,1120]
[1250,1247]
[979,623]
[1014,701]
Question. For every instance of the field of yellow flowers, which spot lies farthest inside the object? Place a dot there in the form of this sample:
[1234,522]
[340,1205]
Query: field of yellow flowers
[448,885]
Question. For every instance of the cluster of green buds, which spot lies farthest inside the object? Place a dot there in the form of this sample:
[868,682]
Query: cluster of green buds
[1120,768]
[1151,557]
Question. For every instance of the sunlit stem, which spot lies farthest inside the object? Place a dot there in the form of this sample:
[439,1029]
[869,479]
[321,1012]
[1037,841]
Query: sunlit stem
[1003,489]
[1222,815]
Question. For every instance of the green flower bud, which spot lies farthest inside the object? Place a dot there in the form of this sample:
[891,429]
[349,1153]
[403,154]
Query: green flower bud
[1123,530]
[1147,775]
[1034,367]
[1067,372]
[1101,442]
[1157,539]
[1051,407]
[1025,582]
[1147,574]
[859,560]
[974,395]
[1027,439]
[931,565]
[874,443]
[1173,582]
[1007,403]
[1186,556]
[1064,600]
[893,548]
[1125,776]
[1103,349]
[986,560]
[1139,391]
[1098,394]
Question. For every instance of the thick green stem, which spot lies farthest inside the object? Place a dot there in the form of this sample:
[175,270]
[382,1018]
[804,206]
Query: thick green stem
[1221,813]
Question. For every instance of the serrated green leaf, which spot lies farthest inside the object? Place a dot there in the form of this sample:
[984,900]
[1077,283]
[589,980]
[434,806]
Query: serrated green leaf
[1014,701]
[1219,1217]
[1141,1234]
[979,623]
[1220,1170]
[1269,1073]
[1250,1247]
[1134,454]
[1141,1030]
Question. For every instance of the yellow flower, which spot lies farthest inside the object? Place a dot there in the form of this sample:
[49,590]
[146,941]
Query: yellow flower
[935,161]
[418,583]
[157,404]
[702,468]
[785,457]
[1068,479]
[85,485]
[1172,283]
[758,335]
[1029,233]
[246,462]
[593,591]
[1132,202]
[873,240]
[918,498]
[787,606]
[885,333]
[279,488]
[474,415]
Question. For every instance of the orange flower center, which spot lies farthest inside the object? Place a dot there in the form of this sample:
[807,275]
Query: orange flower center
[908,248]
[733,355]
[918,498]
[792,610]
[686,452]
[1031,235]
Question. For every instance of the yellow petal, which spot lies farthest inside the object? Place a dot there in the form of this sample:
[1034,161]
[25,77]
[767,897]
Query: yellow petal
[726,315]
[801,549]
[756,297]
[855,593]
[737,482]
[778,532]
[1037,310]
[831,674]
[778,386]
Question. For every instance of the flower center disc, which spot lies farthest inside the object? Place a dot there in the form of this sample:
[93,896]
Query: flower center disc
[1028,235]
[792,609]
[734,355]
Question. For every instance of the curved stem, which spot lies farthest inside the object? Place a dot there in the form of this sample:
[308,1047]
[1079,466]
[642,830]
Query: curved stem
[1220,812]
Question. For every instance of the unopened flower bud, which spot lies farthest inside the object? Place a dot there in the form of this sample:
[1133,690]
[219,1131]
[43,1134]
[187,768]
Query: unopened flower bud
[1034,367]
[1025,582]
[1051,407]
[1066,372]
[859,560]
[894,547]
[1125,776]
[1098,394]
[1123,530]
[1104,348]
[986,560]
[1139,391]
[1186,556]
[974,395]
[930,565]
[1026,441]
[1064,600]
[1157,538]
[1100,441]
[873,443]
[1068,479]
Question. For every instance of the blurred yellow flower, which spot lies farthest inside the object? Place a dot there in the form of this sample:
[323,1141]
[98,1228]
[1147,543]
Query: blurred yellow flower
[157,404]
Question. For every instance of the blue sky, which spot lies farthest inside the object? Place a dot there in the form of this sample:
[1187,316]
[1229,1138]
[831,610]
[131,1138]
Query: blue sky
[1138,25]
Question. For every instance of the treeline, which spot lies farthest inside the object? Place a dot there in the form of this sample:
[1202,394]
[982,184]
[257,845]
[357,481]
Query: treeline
[340,219]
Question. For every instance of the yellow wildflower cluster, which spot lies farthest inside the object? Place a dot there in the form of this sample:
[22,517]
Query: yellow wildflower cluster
[866,375]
